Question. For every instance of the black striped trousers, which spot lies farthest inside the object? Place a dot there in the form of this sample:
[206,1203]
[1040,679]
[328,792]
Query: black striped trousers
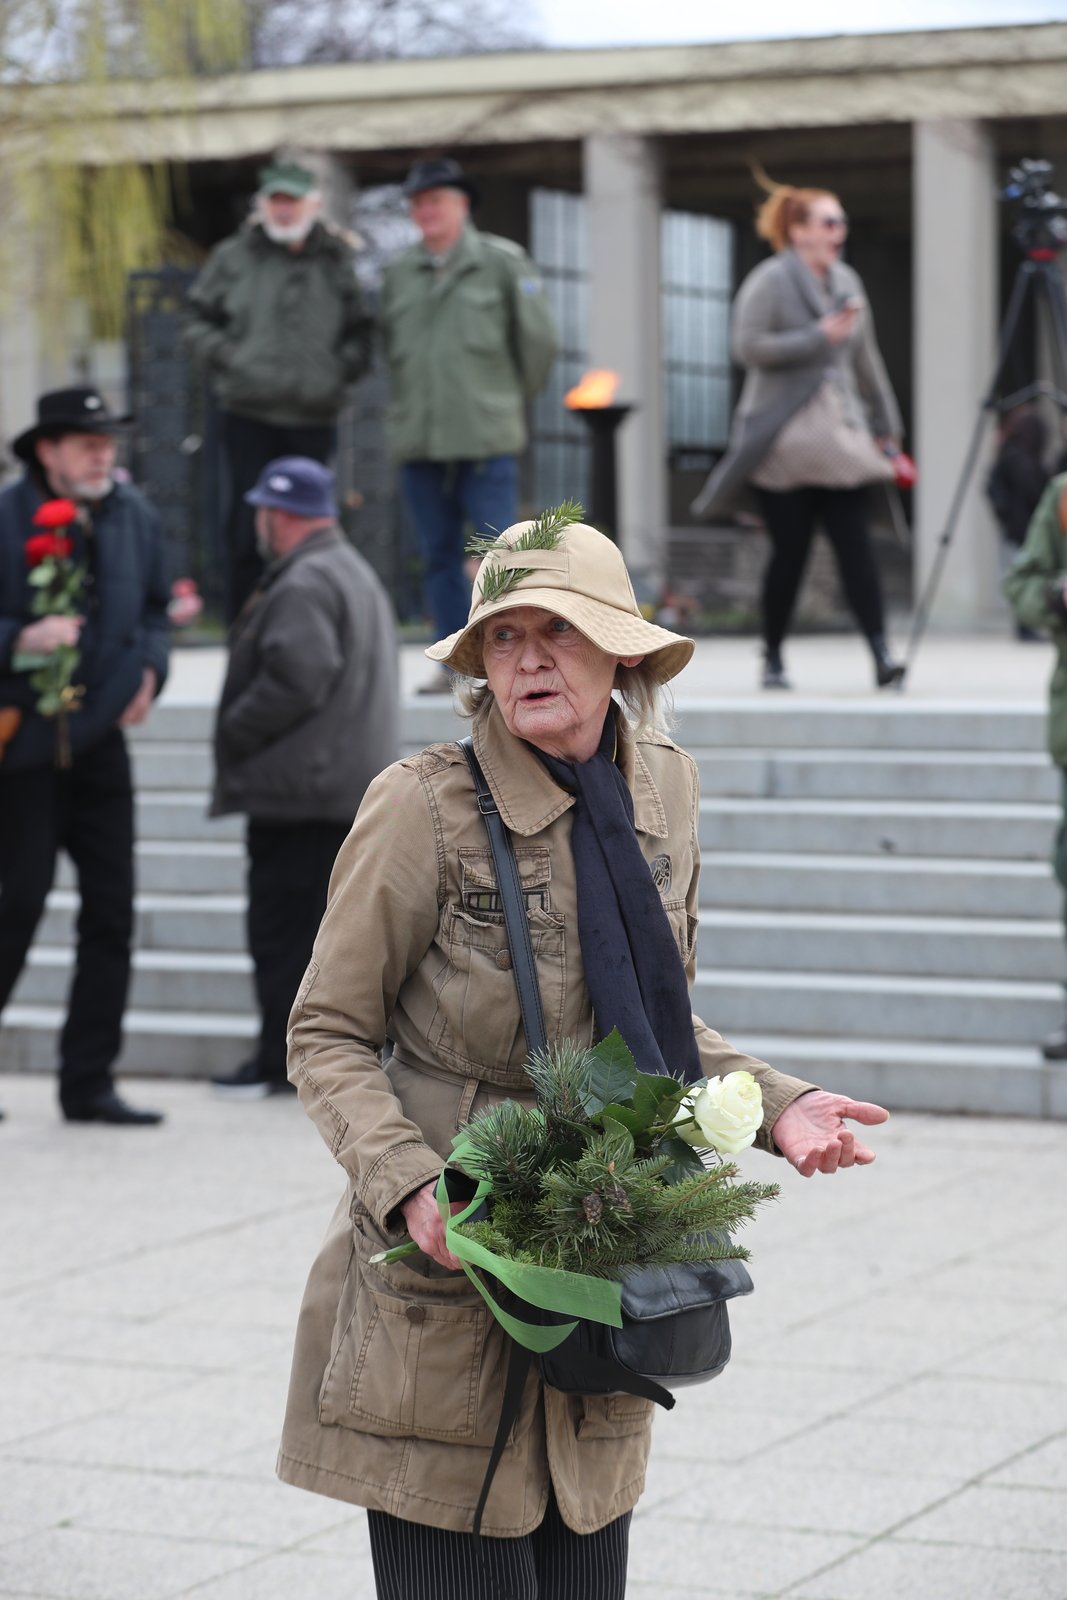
[413,1562]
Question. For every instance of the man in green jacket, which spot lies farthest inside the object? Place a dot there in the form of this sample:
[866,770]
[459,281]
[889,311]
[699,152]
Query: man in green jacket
[1036,587]
[469,340]
[277,320]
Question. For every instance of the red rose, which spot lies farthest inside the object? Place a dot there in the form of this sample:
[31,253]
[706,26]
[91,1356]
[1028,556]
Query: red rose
[55,514]
[47,547]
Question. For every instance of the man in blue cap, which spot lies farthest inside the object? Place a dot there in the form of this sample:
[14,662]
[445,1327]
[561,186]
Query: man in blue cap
[307,718]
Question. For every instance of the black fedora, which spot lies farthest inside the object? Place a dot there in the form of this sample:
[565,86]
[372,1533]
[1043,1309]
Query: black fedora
[439,172]
[68,411]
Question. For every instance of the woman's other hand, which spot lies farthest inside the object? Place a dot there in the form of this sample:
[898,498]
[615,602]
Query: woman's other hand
[425,1226]
[839,325]
[811,1132]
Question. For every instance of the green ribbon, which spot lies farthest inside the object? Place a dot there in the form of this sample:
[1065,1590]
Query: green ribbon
[569,1293]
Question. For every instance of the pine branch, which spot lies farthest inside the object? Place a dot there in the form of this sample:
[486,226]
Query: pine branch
[544,533]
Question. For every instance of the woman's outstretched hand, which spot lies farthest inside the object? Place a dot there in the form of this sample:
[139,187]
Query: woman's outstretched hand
[425,1226]
[811,1132]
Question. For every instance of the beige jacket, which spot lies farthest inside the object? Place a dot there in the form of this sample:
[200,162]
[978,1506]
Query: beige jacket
[398,1371]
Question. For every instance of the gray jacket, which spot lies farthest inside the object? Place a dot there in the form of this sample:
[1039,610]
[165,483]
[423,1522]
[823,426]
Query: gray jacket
[309,708]
[776,337]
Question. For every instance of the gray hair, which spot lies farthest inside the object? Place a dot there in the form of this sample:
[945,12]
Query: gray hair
[647,702]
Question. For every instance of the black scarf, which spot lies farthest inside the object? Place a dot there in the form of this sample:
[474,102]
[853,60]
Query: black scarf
[633,967]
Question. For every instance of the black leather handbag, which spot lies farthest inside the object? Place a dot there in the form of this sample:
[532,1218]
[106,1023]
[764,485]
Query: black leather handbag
[675,1325]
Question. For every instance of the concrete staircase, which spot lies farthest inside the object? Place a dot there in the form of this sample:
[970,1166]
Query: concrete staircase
[877,910]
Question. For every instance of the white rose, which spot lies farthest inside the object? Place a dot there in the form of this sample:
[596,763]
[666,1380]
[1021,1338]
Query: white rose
[728,1114]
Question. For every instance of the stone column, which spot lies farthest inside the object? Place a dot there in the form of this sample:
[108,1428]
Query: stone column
[955,278]
[622,187]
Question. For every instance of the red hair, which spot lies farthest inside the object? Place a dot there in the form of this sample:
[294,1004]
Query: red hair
[784,208]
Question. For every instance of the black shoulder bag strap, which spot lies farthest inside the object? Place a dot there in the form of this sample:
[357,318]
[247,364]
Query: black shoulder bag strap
[533,1022]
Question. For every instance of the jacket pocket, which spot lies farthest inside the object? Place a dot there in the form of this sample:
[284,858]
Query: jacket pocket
[612,1416]
[415,1357]
[477,1022]
[482,320]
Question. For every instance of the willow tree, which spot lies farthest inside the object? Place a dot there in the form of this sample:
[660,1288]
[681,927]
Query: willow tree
[89,219]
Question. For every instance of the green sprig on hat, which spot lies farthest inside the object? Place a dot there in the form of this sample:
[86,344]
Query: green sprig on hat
[544,533]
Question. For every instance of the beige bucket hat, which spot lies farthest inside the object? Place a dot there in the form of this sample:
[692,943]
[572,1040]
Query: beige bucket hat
[583,579]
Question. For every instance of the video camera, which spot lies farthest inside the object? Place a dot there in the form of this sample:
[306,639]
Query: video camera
[1041,218]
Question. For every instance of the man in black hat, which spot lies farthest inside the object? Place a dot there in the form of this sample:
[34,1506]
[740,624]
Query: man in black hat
[469,339]
[84,807]
[307,719]
[277,321]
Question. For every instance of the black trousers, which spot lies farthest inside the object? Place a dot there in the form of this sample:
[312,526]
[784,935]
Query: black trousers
[88,812]
[289,866]
[249,445]
[413,1562]
[792,518]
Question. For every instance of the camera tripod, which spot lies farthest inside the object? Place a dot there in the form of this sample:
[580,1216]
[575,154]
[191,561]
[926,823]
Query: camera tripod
[1037,275]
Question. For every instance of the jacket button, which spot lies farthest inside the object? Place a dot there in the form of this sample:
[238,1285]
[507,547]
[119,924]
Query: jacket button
[416,1313]
[503,959]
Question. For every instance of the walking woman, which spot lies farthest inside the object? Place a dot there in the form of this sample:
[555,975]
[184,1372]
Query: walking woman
[815,419]
[398,1371]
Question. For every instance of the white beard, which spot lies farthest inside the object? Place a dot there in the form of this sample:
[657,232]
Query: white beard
[294,233]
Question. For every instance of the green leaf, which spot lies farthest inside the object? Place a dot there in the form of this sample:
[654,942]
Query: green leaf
[615,1114]
[619,1144]
[28,661]
[657,1098]
[608,1085]
[684,1161]
[40,577]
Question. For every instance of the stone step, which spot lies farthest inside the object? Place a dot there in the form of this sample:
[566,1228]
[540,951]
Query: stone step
[183,764]
[172,814]
[952,1010]
[162,921]
[193,1044]
[741,724]
[181,868]
[945,947]
[1022,777]
[791,723]
[768,880]
[944,829]
[162,980]
[968,1079]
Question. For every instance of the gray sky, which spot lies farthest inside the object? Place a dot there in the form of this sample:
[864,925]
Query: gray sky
[607,22]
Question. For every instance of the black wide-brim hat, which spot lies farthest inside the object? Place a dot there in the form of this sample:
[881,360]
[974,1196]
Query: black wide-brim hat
[440,172]
[68,411]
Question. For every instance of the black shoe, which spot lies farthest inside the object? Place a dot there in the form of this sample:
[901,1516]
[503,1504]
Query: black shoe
[1055,1046]
[774,672]
[888,674]
[110,1107]
[250,1082]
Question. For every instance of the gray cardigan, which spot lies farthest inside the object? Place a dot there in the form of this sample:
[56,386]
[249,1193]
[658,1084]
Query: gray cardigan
[776,337]
[308,714]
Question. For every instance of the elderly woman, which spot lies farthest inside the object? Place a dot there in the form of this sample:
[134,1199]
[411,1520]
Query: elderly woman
[815,420]
[398,1370]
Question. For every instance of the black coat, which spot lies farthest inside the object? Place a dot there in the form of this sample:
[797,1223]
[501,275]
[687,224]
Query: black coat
[126,627]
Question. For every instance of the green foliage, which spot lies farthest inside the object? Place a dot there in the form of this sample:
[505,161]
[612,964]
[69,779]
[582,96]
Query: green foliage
[544,533]
[76,126]
[597,1185]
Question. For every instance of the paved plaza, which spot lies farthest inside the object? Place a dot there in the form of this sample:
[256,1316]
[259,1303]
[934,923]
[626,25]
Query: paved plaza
[894,1422]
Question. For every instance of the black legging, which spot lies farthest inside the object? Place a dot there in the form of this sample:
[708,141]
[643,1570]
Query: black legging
[413,1562]
[792,517]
